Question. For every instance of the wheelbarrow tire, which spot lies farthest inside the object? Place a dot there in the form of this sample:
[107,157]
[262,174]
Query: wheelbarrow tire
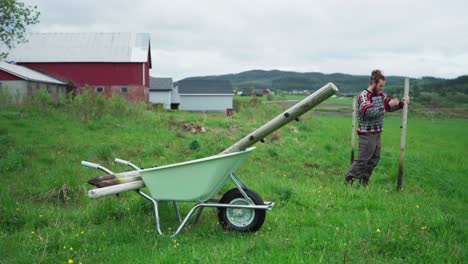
[251,219]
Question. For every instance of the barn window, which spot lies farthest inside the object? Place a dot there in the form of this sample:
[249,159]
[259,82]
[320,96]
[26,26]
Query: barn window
[124,90]
[99,89]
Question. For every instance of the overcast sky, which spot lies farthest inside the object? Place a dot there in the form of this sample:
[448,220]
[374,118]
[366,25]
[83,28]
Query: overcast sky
[206,37]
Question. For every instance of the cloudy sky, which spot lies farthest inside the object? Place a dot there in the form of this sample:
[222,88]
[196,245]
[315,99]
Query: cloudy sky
[206,37]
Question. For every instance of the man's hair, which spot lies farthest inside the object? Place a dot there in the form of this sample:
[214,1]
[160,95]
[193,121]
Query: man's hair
[376,76]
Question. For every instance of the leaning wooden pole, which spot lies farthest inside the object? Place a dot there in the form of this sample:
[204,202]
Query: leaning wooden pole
[120,182]
[282,119]
[353,129]
[403,134]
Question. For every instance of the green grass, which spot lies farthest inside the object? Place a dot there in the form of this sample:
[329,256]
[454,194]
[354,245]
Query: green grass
[45,216]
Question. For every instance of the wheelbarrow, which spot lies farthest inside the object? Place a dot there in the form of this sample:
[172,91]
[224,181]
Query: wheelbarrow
[239,209]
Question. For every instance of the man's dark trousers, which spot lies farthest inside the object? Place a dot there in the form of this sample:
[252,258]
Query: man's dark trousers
[368,158]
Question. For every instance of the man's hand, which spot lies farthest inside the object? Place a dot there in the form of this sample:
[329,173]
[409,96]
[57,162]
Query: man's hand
[394,102]
[406,100]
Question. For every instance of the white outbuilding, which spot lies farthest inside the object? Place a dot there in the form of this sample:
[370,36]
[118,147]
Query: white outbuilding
[161,91]
[205,95]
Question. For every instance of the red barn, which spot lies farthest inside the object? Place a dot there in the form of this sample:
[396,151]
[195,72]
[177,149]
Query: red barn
[111,63]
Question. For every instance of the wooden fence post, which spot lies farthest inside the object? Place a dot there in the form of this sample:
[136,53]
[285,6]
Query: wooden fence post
[403,134]
[353,129]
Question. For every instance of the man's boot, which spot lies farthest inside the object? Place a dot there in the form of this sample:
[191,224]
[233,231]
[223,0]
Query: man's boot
[364,181]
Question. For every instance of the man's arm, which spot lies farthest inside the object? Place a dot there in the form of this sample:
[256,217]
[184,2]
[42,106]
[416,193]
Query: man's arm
[391,105]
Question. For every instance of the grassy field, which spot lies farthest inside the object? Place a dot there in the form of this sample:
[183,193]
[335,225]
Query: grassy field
[46,217]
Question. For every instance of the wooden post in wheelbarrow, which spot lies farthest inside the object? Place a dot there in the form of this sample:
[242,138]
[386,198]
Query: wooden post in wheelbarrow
[403,134]
[353,129]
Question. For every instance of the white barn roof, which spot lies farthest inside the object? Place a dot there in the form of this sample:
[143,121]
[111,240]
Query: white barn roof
[82,47]
[27,74]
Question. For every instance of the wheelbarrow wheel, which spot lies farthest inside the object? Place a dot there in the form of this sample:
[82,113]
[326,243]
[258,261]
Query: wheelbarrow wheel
[244,220]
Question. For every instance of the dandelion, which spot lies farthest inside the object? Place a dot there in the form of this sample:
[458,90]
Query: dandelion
[40,216]
[71,249]
[82,232]
[417,206]
[70,261]
[424,228]
[378,230]
[32,232]
[64,247]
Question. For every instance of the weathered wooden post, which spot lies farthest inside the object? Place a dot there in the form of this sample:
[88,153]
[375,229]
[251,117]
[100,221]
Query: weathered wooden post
[282,119]
[403,134]
[353,129]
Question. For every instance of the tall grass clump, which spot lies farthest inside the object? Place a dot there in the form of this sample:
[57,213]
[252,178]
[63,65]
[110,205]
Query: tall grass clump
[86,107]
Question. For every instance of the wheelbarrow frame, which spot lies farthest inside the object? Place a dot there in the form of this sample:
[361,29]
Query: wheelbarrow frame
[206,201]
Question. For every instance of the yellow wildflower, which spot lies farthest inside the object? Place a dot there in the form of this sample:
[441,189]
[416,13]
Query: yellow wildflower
[378,230]
[70,261]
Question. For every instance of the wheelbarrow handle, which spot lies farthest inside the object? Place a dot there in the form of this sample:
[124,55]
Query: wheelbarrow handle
[128,163]
[96,166]
[121,161]
[90,164]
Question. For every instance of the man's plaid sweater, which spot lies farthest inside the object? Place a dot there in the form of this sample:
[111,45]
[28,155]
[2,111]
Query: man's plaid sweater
[371,111]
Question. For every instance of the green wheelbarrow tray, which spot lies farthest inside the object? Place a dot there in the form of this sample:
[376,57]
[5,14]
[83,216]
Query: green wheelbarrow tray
[198,181]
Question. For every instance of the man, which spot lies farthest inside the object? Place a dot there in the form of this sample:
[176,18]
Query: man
[372,105]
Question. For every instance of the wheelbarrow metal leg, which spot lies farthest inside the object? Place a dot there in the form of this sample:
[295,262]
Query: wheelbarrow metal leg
[156,212]
[189,215]
[176,207]
[240,186]
[197,216]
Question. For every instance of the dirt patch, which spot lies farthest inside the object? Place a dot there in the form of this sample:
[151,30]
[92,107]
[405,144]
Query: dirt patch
[311,166]
[194,128]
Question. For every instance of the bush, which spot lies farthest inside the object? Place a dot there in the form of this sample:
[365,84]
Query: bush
[270,97]
[5,97]
[195,145]
[458,98]
[42,100]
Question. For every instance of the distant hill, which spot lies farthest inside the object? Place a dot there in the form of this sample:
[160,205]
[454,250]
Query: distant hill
[277,80]
[287,80]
